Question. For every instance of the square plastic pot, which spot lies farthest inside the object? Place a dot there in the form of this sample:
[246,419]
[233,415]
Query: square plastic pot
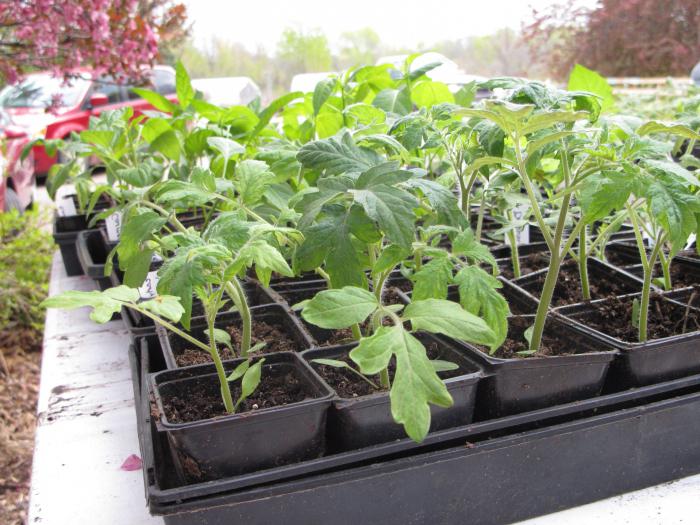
[291,292]
[250,441]
[355,423]
[639,364]
[598,271]
[504,251]
[688,268]
[92,255]
[173,344]
[515,385]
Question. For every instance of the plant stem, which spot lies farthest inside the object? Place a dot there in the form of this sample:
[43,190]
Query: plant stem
[534,203]
[514,250]
[583,264]
[384,379]
[554,263]
[235,291]
[665,262]
[169,326]
[646,291]
[480,217]
[356,333]
[216,358]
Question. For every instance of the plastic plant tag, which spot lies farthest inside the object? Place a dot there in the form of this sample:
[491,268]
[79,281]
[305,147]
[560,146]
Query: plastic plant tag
[148,289]
[691,241]
[66,206]
[113,224]
[522,234]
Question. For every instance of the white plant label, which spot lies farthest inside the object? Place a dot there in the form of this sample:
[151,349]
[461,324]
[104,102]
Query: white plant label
[155,258]
[691,242]
[522,235]
[66,206]
[148,289]
[648,238]
[114,226]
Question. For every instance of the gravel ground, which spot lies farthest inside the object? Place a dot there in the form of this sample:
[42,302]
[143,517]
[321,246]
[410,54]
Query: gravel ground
[19,388]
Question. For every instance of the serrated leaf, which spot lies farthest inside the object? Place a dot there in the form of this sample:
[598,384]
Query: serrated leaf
[167,306]
[340,308]
[322,91]
[432,280]
[389,258]
[583,79]
[397,101]
[450,319]
[678,130]
[337,156]
[227,147]
[183,85]
[392,209]
[465,244]
[253,177]
[479,295]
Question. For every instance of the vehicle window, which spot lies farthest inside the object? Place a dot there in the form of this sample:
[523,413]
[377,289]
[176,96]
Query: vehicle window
[164,81]
[40,90]
[107,86]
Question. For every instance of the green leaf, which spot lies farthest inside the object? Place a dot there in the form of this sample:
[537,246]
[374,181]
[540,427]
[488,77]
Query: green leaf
[227,147]
[103,306]
[337,156]
[389,258]
[178,276]
[397,101]
[675,210]
[584,79]
[228,229]
[254,178]
[134,256]
[679,130]
[427,94]
[478,294]
[392,209]
[329,122]
[168,144]
[450,319]
[183,85]
[432,280]
[364,115]
[443,366]
[604,193]
[222,337]
[156,100]
[239,371]
[331,362]
[250,381]
[265,116]
[167,306]
[465,244]
[387,173]
[322,91]
[416,383]
[340,308]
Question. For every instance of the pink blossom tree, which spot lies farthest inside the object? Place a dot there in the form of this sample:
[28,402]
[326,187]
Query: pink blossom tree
[114,37]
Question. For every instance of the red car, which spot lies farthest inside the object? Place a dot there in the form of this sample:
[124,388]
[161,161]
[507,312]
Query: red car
[17,181]
[73,104]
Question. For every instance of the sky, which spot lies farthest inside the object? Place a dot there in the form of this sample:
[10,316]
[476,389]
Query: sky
[401,23]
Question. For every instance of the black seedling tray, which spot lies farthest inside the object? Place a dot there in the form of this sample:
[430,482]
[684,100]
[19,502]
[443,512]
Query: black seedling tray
[489,472]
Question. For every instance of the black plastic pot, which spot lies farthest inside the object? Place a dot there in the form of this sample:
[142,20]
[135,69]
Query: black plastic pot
[477,472]
[249,441]
[639,364]
[503,251]
[363,421]
[598,271]
[515,385]
[92,255]
[294,292]
[519,301]
[689,270]
[173,344]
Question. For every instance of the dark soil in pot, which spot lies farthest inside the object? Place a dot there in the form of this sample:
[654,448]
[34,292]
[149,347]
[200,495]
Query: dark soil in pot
[614,318]
[202,399]
[552,344]
[528,264]
[349,385]
[277,336]
[568,288]
[681,276]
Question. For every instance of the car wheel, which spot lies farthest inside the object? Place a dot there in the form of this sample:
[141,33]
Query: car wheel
[12,201]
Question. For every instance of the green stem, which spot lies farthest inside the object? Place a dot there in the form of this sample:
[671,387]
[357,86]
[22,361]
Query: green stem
[169,326]
[534,202]
[480,217]
[384,379]
[583,265]
[216,358]
[356,333]
[646,291]
[235,291]
[165,213]
[665,262]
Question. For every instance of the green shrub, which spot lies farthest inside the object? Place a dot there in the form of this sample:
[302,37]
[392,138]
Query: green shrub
[25,260]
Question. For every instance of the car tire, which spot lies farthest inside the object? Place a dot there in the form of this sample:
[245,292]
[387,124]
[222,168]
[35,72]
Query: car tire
[12,201]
